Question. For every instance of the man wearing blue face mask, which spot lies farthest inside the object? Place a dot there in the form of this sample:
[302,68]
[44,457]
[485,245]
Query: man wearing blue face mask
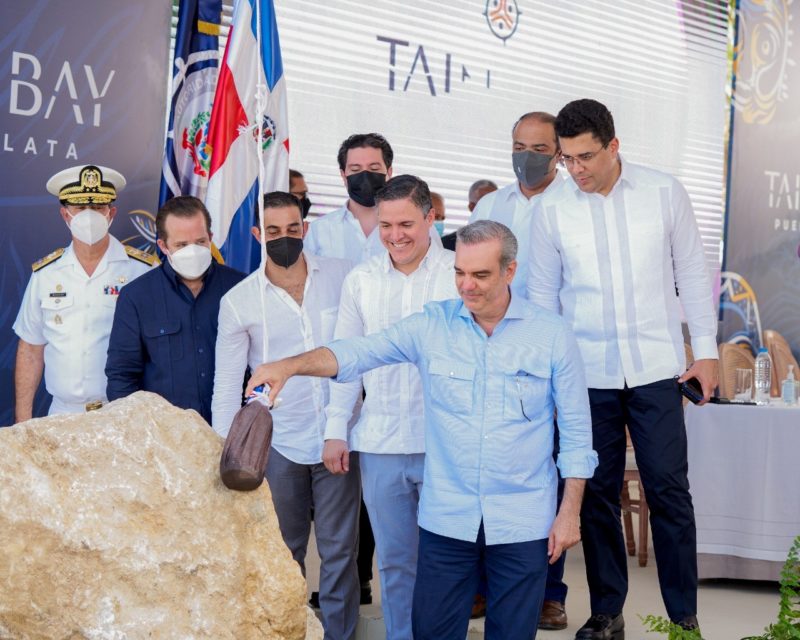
[165,326]
[534,156]
[65,317]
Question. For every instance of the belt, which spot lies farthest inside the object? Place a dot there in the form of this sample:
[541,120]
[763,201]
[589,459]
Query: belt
[59,406]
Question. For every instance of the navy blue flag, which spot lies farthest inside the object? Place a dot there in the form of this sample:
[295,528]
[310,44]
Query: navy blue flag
[194,80]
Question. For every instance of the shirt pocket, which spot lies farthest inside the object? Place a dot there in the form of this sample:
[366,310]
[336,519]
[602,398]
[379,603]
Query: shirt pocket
[327,324]
[452,385]
[56,312]
[163,340]
[525,395]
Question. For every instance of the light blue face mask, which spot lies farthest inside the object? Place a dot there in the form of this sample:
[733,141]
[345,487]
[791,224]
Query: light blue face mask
[439,224]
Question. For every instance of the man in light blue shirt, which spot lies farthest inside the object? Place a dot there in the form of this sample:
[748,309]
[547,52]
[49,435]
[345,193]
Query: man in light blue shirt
[489,487]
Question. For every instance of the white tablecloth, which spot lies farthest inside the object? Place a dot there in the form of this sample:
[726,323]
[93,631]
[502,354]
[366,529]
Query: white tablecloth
[744,472]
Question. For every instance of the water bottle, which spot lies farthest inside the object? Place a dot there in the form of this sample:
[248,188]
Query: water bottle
[788,388]
[763,376]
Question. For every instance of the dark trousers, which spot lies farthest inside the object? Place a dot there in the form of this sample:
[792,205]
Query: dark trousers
[296,488]
[555,587]
[654,416]
[448,571]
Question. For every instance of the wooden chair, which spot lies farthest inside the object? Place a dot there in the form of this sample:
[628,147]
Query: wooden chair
[631,506]
[731,358]
[782,357]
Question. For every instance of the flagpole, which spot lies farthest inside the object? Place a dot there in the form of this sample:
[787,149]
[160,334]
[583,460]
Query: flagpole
[261,107]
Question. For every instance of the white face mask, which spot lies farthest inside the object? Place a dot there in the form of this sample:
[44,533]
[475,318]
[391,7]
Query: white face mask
[89,226]
[191,261]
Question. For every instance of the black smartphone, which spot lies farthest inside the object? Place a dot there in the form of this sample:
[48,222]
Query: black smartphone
[691,389]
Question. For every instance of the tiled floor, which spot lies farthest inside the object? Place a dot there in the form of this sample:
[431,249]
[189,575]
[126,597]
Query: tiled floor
[728,610]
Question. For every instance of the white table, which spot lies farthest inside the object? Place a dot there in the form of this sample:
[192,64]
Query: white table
[744,472]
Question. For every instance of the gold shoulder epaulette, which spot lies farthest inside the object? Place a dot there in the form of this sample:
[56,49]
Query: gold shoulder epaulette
[48,259]
[142,256]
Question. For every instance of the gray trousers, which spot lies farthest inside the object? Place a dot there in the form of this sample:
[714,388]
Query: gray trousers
[336,501]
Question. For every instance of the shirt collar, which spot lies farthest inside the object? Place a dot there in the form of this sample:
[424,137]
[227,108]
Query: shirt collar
[114,253]
[312,266]
[517,191]
[432,254]
[626,173]
[625,176]
[516,309]
[174,278]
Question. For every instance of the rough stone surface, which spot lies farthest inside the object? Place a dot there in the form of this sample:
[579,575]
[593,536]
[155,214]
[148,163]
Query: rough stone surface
[115,524]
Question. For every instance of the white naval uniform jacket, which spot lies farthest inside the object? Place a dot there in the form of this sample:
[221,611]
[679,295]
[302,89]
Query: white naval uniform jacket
[71,313]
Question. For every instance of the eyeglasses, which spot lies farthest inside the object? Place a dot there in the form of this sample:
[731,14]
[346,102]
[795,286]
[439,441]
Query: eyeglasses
[582,158]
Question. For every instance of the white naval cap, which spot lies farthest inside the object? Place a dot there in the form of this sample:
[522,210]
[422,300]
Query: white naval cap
[86,184]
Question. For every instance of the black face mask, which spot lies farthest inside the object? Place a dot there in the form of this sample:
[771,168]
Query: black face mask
[305,205]
[285,251]
[361,187]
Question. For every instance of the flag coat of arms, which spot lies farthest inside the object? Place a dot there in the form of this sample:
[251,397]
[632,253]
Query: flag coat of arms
[250,81]
[194,80]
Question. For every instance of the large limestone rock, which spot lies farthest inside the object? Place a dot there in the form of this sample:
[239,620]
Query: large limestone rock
[114,524]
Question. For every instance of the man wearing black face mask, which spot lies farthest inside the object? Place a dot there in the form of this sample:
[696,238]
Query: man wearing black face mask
[286,307]
[350,232]
[534,156]
[299,189]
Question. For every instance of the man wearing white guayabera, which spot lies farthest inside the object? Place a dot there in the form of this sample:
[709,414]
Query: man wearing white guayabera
[390,434]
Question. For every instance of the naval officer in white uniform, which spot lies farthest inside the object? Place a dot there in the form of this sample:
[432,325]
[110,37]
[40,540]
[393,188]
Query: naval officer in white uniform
[65,318]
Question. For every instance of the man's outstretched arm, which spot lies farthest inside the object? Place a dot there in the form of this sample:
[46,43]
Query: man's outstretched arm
[319,362]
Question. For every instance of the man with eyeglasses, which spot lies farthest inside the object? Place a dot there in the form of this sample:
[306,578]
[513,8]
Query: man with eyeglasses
[534,156]
[489,489]
[618,251]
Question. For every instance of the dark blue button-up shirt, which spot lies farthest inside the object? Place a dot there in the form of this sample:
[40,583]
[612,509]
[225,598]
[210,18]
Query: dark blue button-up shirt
[163,338]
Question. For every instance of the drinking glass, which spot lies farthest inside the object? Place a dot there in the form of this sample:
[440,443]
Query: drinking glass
[744,385]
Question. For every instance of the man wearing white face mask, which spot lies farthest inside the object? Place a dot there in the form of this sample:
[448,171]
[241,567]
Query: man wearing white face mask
[65,317]
[165,327]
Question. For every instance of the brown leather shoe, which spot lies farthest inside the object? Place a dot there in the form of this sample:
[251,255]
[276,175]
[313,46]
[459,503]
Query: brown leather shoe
[478,606]
[554,616]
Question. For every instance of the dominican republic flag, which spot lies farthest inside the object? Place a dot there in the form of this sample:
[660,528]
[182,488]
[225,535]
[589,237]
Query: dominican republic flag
[247,71]
[194,79]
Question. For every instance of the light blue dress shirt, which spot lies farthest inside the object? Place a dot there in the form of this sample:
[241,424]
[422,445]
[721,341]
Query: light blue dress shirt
[489,405]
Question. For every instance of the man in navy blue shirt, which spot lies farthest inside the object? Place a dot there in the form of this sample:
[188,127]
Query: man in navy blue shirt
[165,325]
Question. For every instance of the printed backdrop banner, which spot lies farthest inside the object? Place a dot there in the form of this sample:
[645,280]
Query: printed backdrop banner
[81,82]
[761,280]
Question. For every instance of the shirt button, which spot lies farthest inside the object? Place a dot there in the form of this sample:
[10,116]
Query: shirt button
[451,373]
[161,331]
[202,374]
[200,350]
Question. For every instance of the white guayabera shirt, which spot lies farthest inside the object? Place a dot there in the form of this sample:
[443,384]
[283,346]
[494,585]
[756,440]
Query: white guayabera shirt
[339,235]
[620,267]
[376,295]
